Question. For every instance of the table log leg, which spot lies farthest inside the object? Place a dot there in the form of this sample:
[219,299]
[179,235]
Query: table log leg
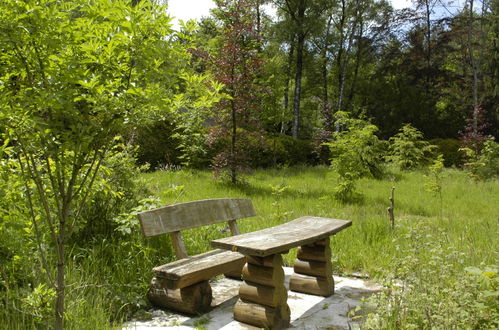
[313,270]
[263,296]
[192,299]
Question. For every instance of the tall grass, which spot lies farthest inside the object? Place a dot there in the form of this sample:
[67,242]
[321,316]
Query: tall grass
[469,210]
[108,279]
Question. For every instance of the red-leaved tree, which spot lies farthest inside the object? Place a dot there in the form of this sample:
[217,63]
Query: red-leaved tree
[237,65]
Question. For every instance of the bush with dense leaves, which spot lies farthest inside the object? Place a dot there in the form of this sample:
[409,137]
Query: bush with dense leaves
[408,150]
[449,148]
[356,152]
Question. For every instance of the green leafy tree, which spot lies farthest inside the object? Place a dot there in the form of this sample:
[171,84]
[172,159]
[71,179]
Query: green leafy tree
[408,150]
[73,75]
[356,152]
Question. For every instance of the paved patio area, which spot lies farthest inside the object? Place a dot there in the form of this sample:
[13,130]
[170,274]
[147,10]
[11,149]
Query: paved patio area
[307,311]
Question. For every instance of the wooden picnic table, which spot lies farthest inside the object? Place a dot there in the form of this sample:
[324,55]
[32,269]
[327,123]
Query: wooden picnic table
[262,296]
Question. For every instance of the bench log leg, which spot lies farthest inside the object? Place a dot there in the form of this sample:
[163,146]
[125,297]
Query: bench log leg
[263,296]
[236,271]
[192,299]
[313,270]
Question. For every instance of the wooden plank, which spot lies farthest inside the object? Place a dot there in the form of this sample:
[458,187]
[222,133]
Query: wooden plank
[316,253]
[178,245]
[262,294]
[262,316]
[312,285]
[313,268]
[177,217]
[234,229]
[193,299]
[185,272]
[271,276]
[302,231]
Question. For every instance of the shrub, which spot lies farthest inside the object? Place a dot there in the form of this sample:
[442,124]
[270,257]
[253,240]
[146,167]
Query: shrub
[268,151]
[430,290]
[115,191]
[484,165]
[157,144]
[356,152]
[449,148]
[290,151]
[408,150]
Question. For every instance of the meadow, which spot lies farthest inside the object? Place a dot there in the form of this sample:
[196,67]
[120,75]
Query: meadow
[442,250]
[439,264]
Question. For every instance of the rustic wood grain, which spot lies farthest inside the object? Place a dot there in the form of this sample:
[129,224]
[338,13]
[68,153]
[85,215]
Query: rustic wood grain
[234,229]
[185,272]
[302,231]
[311,285]
[312,268]
[193,299]
[316,253]
[263,275]
[262,294]
[262,316]
[178,245]
[188,215]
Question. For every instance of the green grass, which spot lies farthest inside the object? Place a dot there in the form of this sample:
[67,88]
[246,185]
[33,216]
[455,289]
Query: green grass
[469,211]
[107,279]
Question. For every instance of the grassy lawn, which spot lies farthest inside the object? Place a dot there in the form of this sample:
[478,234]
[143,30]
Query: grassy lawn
[424,263]
[466,218]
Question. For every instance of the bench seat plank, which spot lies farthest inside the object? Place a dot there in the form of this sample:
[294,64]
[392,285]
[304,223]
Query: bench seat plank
[302,231]
[201,267]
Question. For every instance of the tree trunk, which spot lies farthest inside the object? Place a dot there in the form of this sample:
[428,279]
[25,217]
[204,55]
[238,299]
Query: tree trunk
[344,66]
[358,57]
[61,286]
[428,46]
[326,107]
[473,69]
[233,171]
[297,96]
[339,57]
[299,18]
[286,84]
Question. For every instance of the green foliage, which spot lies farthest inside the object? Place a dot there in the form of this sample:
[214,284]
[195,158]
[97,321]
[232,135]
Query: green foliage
[434,183]
[449,148]
[408,150]
[485,165]
[73,75]
[430,288]
[158,144]
[356,152]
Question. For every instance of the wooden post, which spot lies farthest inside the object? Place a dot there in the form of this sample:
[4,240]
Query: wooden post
[313,270]
[178,245]
[263,297]
[391,208]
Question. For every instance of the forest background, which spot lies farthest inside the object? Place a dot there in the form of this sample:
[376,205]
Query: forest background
[92,93]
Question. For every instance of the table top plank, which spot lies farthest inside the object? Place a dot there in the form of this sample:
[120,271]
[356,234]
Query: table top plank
[301,231]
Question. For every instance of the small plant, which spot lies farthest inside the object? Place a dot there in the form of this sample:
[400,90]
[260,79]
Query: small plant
[434,184]
[277,192]
[430,290]
[408,150]
[356,152]
[200,324]
[484,164]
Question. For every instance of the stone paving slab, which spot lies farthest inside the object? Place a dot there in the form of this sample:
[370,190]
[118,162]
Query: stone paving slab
[307,311]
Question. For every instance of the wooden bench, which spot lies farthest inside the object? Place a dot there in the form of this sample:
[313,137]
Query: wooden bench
[183,285]
[263,296]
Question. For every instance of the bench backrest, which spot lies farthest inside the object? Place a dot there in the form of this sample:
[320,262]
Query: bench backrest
[173,218]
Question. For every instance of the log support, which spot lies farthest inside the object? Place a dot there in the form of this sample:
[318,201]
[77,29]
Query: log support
[263,296]
[193,299]
[313,270]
